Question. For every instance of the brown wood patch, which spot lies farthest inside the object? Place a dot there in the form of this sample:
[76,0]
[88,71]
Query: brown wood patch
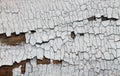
[13,39]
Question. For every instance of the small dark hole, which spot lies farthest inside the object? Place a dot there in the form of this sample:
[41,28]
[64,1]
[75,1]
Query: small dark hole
[72,35]
[81,34]
[33,31]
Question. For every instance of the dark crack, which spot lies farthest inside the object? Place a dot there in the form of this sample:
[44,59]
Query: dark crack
[103,18]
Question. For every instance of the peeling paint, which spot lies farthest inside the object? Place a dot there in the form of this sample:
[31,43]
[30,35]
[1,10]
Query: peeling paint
[60,38]
[13,39]
[6,70]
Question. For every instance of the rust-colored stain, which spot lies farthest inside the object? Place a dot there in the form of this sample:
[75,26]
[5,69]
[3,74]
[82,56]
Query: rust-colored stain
[13,39]
[6,70]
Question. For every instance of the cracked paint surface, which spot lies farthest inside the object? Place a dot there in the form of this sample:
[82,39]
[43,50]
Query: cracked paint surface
[78,37]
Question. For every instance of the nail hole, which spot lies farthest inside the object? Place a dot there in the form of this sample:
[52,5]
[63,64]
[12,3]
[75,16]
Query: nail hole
[72,35]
